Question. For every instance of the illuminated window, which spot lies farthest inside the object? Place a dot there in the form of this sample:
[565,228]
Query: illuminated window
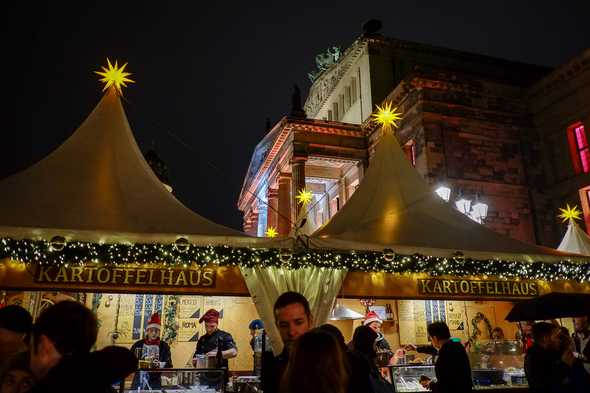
[410,150]
[353,92]
[585,199]
[579,149]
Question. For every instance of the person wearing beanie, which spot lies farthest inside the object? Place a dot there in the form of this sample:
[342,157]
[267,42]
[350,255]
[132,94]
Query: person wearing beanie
[154,349]
[215,338]
[254,327]
[373,321]
[15,328]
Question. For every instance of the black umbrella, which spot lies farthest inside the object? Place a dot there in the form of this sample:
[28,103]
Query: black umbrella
[551,306]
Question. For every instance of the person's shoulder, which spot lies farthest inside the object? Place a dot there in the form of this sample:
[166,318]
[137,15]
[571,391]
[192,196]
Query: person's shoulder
[225,334]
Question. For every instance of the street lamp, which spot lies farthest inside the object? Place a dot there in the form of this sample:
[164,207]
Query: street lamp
[477,212]
[444,192]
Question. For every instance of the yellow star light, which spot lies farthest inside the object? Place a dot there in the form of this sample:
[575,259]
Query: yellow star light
[114,76]
[304,197]
[271,232]
[570,213]
[386,115]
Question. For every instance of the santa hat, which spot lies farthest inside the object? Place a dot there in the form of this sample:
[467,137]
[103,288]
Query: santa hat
[371,317]
[211,315]
[154,322]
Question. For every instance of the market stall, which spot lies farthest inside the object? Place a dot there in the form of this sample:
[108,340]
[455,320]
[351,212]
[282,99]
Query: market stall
[93,223]
[417,255]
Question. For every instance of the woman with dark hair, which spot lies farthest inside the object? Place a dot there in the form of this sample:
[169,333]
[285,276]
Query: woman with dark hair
[363,346]
[314,353]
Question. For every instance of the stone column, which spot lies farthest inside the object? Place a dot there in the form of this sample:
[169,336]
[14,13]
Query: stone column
[251,223]
[342,191]
[284,204]
[272,217]
[298,169]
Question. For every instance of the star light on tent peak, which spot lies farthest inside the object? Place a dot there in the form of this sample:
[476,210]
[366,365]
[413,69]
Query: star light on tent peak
[386,115]
[570,213]
[304,197]
[114,76]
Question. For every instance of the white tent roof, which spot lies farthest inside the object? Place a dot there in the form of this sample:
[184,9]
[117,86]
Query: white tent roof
[97,186]
[575,240]
[395,208]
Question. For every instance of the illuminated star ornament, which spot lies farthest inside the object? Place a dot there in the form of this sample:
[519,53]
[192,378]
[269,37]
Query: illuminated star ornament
[114,76]
[271,232]
[570,213]
[387,116]
[304,197]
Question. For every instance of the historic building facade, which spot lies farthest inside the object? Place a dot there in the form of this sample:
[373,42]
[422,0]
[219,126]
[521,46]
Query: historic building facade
[509,134]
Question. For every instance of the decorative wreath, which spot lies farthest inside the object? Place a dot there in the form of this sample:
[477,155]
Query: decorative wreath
[476,332]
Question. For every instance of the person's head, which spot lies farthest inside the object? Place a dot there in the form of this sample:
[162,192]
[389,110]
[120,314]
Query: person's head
[439,334]
[292,316]
[67,328]
[497,333]
[254,326]
[15,327]
[315,352]
[580,324]
[336,333]
[527,328]
[17,377]
[211,319]
[565,340]
[373,321]
[546,335]
[154,325]
[363,341]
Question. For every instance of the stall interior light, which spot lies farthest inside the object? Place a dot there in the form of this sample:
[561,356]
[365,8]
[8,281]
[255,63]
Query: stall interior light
[444,193]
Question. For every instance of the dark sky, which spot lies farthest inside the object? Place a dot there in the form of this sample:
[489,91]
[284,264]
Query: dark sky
[210,72]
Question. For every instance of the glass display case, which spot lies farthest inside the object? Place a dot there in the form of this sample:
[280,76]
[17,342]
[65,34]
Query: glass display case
[495,366]
[175,380]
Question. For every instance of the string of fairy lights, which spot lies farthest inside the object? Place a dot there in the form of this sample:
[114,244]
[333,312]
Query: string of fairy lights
[183,254]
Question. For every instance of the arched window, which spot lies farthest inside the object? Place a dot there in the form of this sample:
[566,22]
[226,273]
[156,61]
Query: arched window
[579,149]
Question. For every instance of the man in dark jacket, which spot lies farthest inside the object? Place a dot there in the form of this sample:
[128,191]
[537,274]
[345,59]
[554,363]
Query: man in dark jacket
[581,339]
[541,360]
[452,368]
[293,319]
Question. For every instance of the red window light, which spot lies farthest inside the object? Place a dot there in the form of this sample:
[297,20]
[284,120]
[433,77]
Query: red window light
[579,148]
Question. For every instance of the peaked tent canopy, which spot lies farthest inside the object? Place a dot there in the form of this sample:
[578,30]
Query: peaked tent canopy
[395,208]
[98,187]
[575,240]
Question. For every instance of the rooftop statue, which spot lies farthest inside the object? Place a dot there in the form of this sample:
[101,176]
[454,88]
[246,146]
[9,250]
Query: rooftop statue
[324,61]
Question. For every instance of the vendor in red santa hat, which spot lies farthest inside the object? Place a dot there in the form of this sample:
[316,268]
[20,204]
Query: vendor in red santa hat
[213,339]
[154,349]
[373,321]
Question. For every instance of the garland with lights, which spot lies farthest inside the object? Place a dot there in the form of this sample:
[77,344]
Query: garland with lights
[170,322]
[58,252]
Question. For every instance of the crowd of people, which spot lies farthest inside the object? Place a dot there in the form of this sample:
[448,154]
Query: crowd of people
[54,354]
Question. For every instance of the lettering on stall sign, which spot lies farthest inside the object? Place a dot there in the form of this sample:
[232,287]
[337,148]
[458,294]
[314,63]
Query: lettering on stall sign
[127,276]
[478,288]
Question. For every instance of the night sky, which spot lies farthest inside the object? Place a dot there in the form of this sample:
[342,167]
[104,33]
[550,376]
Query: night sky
[210,73]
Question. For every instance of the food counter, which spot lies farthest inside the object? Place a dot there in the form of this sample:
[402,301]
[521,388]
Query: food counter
[496,366]
[175,380]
